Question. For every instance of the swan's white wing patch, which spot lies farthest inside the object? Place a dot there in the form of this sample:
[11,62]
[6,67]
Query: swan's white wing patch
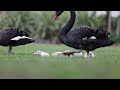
[20,37]
[93,37]
[84,38]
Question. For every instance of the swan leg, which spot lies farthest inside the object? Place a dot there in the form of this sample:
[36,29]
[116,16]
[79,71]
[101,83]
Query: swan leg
[87,55]
[91,54]
[10,50]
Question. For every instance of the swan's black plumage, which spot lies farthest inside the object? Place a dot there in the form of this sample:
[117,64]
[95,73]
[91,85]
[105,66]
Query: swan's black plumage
[74,38]
[7,34]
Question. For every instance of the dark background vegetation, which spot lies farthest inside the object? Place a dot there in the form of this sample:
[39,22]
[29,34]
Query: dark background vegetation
[43,28]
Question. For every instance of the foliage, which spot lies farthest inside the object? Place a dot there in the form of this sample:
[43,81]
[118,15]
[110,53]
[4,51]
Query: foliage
[25,20]
[41,24]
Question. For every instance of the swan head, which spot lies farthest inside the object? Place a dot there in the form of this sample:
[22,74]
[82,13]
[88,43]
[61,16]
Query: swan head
[22,33]
[57,14]
[102,34]
[25,33]
[19,32]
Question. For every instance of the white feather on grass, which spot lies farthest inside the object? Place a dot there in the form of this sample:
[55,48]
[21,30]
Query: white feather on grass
[58,54]
[41,53]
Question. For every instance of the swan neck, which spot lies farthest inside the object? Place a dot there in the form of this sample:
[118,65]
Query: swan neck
[69,25]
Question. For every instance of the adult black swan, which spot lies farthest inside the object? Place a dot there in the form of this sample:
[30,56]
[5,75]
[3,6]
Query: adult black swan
[14,37]
[80,38]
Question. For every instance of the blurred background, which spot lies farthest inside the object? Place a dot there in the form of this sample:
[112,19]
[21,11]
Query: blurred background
[43,29]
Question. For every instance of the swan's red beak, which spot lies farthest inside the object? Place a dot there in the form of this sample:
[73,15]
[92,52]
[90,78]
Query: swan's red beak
[55,17]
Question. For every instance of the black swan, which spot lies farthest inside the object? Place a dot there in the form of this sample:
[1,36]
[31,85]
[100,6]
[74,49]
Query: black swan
[80,38]
[14,37]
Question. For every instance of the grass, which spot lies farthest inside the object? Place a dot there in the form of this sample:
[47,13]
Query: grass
[24,65]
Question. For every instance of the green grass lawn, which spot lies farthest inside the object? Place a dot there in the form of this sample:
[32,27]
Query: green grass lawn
[23,64]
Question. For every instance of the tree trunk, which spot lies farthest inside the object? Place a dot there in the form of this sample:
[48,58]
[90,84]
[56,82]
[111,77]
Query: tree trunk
[108,21]
[94,13]
[118,28]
